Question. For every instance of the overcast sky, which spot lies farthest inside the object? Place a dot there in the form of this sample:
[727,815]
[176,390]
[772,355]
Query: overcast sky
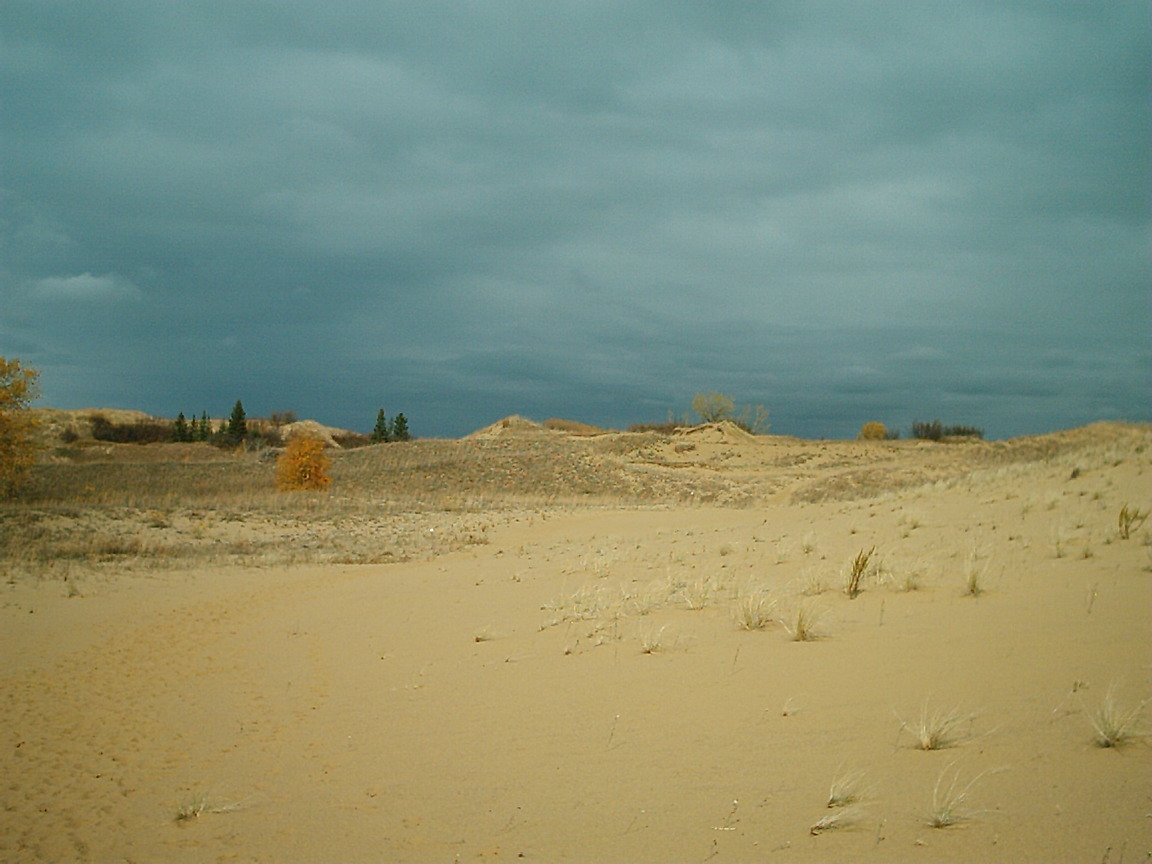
[843,211]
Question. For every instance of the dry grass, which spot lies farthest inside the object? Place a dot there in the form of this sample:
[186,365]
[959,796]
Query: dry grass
[857,572]
[843,817]
[937,730]
[848,788]
[950,799]
[754,610]
[1115,726]
[1129,520]
[803,626]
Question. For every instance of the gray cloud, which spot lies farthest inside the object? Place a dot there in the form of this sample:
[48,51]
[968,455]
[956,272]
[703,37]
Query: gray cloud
[843,211]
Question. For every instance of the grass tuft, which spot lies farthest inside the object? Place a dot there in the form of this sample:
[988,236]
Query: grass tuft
[842,817]
[1115,726]
[857,571]
[847,789]
[936,730]
[1130,518]
[754,611]
[950,797]
[804,624]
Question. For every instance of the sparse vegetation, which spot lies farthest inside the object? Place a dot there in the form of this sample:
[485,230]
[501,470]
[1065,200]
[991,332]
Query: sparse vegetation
[1115,726]
[1130,519]
[804,624]
[754,610]
[652,640]
[857,572]
[846,789]
[936,730]
[950,797]
[841,817]
[975,573]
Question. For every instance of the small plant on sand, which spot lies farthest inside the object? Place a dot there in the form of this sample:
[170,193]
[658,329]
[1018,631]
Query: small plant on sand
[1130,519]
[857,571]
[936,730]
[302,466]
[975,582]
[841,817]
[652,640]
[192,808]
[1115,726]
[697,594]
[197,805]
[803,625]
[949,798]
[754,611]
[847,789]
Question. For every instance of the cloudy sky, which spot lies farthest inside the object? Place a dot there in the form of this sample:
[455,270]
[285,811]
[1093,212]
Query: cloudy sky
[461,210]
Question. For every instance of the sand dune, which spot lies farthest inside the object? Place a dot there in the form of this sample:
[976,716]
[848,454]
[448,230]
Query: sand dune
[547,692]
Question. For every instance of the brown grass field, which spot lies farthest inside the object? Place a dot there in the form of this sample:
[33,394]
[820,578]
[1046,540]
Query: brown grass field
[542,643]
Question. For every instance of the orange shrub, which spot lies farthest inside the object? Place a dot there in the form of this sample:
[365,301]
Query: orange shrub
[302,465]
[873,430]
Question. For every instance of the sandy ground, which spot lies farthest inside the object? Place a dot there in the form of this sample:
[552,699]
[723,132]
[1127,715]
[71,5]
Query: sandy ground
[548,695]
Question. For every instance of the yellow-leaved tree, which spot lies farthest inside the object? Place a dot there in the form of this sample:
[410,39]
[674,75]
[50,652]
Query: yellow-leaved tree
[17,446]
[302,465]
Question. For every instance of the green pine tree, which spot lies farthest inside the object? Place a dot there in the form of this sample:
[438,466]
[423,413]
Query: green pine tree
[381,433]
[237,428]
[180,430]
[205,430]
[400,429]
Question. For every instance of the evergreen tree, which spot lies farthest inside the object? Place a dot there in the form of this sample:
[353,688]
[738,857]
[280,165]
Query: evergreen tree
[237,428]
[180,430]
[381,433]
[400,429]
[205,430]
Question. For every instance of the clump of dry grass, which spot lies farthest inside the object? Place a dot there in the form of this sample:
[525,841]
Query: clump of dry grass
[936,730]
[842,817]
[754,610]
[697,594]
[949,798]
[857,571]
[652,640]
[975,575]
[1115,726]
[804,624]
[848,788]
[197,805]
[1130,519]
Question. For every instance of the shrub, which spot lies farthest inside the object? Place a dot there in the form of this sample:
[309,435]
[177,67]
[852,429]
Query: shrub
[931,431]
[713,407]
[139,432]
[937,431]
[17,446]
[282,418]
[302,466]
[873,430]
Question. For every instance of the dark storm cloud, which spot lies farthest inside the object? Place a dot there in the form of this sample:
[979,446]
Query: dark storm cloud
[840,210]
